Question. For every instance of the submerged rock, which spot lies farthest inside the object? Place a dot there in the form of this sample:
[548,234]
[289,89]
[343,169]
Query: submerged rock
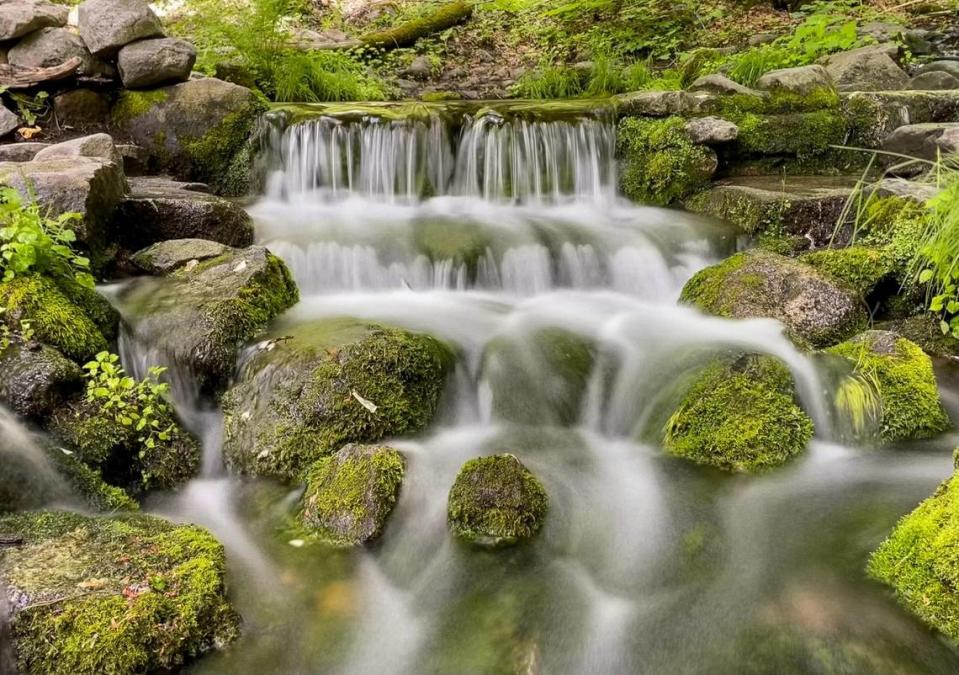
[740,416]
[351,493]
[302,397]
[36,379]
[815,309]
[496,501]
[118,595]
[902,378]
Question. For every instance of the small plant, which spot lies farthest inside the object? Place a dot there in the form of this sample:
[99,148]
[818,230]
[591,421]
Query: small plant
[138,404]
[32,243]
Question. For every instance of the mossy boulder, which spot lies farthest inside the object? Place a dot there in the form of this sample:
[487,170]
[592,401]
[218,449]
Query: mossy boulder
[740,416]
[113,595]
[350,494]
[199,130]
[496,501]
[201,313]
[168,256]
[860,268]
[659,163]
[923,329]
[54,318]
[36,379]
[901,375]
[326,384]
[815,309]
[920,560]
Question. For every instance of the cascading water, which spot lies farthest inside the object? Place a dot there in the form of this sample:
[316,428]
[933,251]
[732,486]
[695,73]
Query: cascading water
[486,231]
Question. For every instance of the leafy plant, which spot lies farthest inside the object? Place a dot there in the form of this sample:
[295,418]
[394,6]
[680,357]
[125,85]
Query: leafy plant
[940,255]
[139,404]
[32,243]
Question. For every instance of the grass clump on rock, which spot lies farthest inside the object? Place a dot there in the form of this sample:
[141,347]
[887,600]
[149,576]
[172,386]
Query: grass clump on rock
[496,501]
[741,416]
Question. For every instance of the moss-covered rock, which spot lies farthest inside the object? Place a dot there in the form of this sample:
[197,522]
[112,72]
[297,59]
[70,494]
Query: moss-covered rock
[923,329]
[860,268]
[168,256]
[903,379]
[740,416]
[36,379]
[119,595]
[201,313]
[659,163]
[54,319]
[920,560]
[815,309]
[327,384]
[496,501]
[350,494]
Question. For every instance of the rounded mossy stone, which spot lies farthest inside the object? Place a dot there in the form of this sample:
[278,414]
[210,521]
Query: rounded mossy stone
[906,384]
[815,309]
[860,268]
[54,319]
[104,315]
[350,494]
[328,383]
[740,416]
[920,560]
[659,164]
[496,501]
[113,595]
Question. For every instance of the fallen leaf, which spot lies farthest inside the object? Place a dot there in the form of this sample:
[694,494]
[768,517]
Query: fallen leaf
[29,132]
[369,405]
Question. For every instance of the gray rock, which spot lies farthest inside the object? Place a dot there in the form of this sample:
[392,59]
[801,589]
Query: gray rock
[167,256]
[878,114]
[881,31]
[919,192]
[762,39]
[419,69]
[20,152]
[108,25]
[99,146]
[158,210]
[20,17]
[135,159]
[9,122]
[936,80]
[920,42]
[922,141]
[942,66]
[81,108]
[801,81]
[660,103]
[148,63]
[711,130]
[52,47]
[866,69]
[721,85]
[37,379]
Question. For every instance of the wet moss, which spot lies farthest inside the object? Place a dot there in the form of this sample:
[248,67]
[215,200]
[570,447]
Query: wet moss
[860,268]
[906,385]
[222,156]
[740,416]
[133,103]
[350,494]
[799,134]
[95,306]
[749,215]
[496,501]
[121,595]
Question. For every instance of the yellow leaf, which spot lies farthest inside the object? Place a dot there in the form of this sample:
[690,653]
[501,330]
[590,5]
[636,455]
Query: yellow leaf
[29,132]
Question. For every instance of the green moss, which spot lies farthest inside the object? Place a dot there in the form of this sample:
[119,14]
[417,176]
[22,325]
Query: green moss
[409,32]
[799,134]
[923,329]
[97,494]
[54,319]
[741,416]
[660,165]
[101,312]
[133,103]
[350,494]
[905,383]
[749,215]
[439,96]
[858,267]
[122,595]
[462,242]
[706,288]
[496,500]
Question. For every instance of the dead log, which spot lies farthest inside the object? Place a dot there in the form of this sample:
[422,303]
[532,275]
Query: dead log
[408,33]
[10,541]
[18,77]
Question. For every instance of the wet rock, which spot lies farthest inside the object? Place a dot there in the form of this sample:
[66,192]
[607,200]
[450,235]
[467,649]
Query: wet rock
[198,130]
[159,210]
[721,85]
[711,131]
[20,17]
[740,416]
[936,80]
[898,376]
[135,159]
[922,141]
[881,31]
[866,69]
[36,379]
[9,121]
[496,501]
[97,146]
[801,81]
[167,256]
[20,152]
[108,25]
[200,315]
[350,494]
[949,67]
[53,47]
[303,396]
[815,309]
[148,63]
[149,594]
[81,108]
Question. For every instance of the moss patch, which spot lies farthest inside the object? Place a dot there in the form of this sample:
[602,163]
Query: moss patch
[858,267]
[133,104]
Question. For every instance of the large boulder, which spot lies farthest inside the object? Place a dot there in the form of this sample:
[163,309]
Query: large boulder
[20,17]
[108,25]
[866,69]
[148,63]
[922,141]
[113,595]
[325,384]
[740,416]
[160,210]
[496,501]
[873,116]
[815,309]
[37,379]
[199,130]
[897,375]
[53,47]
[350,494]
[801,81]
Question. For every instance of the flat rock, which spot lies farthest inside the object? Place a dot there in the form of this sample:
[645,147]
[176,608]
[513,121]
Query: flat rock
[866,69]
[922,141]
[167,256]
[711,130]
[20,17]
[98,146]
[801,81]
[9,122]
[660,103]
[156,61]
[20,152]
[50,47]
[108,25]
[721,85]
